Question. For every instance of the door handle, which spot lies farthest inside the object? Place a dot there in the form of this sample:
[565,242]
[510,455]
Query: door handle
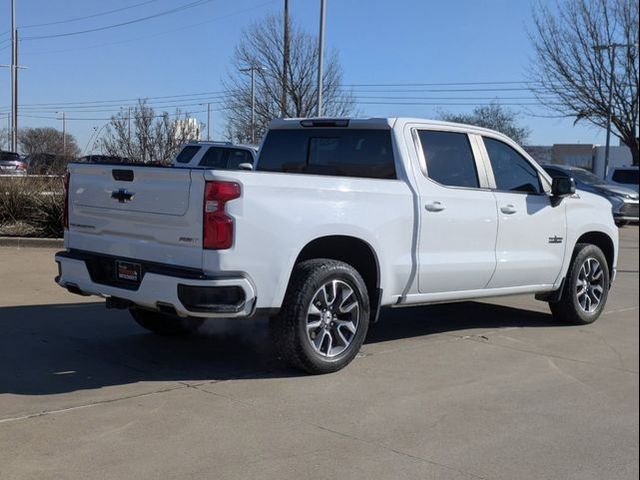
[508,209]
[435,206]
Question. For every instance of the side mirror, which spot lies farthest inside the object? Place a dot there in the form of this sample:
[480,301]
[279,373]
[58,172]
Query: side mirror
[245,166]
[563,186]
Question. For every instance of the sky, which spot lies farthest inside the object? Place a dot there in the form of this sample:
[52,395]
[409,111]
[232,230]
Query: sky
[188,51]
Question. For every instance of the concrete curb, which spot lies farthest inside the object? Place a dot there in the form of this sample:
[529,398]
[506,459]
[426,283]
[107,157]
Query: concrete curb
[26,242]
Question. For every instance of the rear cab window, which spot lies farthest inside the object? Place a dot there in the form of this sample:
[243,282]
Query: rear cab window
[329,151]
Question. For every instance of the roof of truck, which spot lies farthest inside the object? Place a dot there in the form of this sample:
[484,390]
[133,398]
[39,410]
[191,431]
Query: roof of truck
[371,123]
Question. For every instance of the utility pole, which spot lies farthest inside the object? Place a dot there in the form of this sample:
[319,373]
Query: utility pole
[321,54]
[13,66]
[129,124]
[64,134]
[611,48]
[285,61]
[8,129]
[14,79]
[252,69]
[208,105]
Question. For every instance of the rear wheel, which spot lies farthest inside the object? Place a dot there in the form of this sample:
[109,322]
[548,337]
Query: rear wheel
[324,318]
[586,287]
[163,323]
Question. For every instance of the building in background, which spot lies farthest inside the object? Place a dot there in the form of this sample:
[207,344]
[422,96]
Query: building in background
[187,129]
[583,155]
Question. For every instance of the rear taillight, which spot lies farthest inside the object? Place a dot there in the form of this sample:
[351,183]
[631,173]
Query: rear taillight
[65,214]
[217,225]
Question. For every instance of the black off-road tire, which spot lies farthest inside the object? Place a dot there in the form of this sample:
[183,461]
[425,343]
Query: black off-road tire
[568,309]
[165,324]
[289,326]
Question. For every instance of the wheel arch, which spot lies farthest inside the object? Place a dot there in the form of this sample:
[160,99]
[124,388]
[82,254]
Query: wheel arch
[351,250]
[604,242]
[594,237]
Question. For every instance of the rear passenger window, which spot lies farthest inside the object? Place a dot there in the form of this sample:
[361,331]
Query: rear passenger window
[449,158]
[511,170]
[625,176]
[187,154]
[236,157]
[215,158]
[329,151]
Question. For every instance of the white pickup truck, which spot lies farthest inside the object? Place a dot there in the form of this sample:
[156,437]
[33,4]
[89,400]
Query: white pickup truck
[338,219]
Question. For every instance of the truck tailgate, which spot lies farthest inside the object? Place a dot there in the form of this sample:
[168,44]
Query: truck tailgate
[138,212]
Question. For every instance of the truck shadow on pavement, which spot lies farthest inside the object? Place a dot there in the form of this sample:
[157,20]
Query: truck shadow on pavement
[51,349]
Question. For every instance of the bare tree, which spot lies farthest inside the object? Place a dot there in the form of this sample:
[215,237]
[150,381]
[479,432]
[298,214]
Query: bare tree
[49,151]
[262,47]
[4,138]
[492,116]
[576,74]
[142,136]
[32,141]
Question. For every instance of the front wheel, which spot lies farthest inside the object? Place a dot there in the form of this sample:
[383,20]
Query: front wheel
[586,287]
[163,323]
[324,318]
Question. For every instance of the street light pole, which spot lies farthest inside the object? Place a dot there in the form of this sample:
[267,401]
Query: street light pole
[611,47]
[208,121]
[252,69]
[321,54]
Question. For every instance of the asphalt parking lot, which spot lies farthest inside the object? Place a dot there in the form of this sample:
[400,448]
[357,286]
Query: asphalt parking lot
[475,390]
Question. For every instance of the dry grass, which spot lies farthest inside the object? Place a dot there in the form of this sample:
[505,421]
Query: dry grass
[31,206]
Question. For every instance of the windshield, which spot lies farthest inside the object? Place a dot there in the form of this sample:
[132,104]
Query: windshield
[586,177]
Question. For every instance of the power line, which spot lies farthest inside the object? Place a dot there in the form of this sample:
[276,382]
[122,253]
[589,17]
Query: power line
[436,84]
[76,19]
[121,100]
[226,93]
[181,8]
[144,37]
[106,119]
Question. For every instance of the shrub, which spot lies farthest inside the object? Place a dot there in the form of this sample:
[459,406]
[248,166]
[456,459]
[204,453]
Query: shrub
[37,202]
[16,199]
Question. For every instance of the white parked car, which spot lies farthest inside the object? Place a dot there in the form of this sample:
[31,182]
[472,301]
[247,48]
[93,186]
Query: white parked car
[215,155]
[339,219]
[624,176]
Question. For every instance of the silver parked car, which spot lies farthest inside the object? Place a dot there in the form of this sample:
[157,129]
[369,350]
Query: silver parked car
[625,177]
[624,201]
[12,164]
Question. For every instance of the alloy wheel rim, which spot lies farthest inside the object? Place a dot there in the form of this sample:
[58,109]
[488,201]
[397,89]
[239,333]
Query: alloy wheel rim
[333,318]
[590,285]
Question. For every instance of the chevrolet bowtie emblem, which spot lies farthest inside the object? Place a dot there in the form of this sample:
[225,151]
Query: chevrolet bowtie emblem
[122,195]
